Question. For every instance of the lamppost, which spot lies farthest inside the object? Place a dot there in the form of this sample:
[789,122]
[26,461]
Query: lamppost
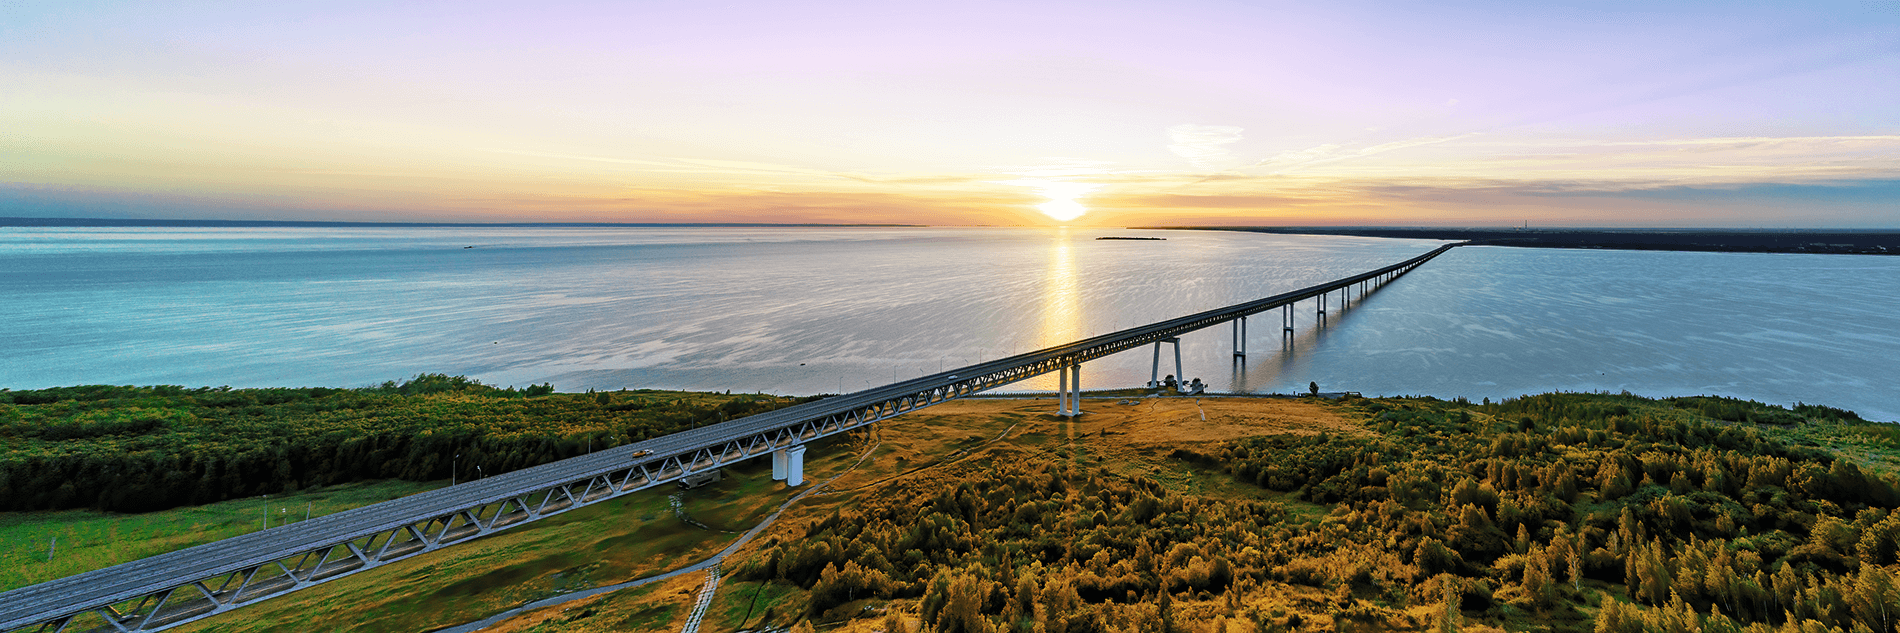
[452,463]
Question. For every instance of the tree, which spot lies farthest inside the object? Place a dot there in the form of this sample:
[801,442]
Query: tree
[1874,598]
[1449,617]
[963,608]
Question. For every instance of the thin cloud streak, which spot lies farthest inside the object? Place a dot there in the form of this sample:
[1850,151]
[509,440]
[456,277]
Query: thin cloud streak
[1204,146]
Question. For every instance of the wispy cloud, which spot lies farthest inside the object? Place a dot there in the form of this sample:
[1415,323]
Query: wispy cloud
[1336,152]
[1204,146]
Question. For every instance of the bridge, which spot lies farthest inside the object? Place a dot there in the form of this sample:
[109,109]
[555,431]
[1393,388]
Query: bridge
[171,589]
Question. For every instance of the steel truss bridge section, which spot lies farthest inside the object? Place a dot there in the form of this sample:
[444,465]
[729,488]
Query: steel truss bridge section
[171,589]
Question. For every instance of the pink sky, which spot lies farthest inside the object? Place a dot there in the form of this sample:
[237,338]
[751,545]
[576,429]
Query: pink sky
[1631,114]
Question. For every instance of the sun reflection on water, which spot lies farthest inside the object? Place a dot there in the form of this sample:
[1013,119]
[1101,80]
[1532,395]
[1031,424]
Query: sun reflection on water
[1061,301]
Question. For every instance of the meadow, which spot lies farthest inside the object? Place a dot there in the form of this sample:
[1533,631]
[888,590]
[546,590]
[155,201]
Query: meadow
[39,546]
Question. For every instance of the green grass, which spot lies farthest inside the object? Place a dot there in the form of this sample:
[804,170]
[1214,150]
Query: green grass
[748,603]
[624,539]
[1871,445]
[89,540]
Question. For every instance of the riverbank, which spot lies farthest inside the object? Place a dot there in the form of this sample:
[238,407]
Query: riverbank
[1838,242]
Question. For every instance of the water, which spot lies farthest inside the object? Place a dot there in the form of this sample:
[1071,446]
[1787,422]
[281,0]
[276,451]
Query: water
[819,310]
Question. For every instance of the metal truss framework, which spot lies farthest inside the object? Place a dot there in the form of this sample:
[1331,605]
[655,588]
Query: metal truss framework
[157,599]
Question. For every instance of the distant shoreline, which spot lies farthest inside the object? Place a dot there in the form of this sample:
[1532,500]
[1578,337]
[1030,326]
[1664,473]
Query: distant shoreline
[100,222]
[1830,241]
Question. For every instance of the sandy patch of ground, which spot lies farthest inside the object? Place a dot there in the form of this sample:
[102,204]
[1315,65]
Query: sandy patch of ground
[1156,421]
[657,607]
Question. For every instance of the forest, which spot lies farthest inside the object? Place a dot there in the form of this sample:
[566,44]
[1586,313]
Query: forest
[1575,512]
[137,449]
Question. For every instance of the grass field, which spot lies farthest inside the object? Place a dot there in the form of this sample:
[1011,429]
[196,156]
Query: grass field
[614,541]
[88,540]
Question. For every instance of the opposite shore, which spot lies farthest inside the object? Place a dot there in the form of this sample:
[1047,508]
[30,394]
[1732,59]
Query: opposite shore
[1834,241]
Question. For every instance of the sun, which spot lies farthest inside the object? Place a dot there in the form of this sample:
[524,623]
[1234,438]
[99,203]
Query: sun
[1063,196]
[1063,210]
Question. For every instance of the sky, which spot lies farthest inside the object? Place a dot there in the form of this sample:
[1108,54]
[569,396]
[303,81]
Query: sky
[1651,113]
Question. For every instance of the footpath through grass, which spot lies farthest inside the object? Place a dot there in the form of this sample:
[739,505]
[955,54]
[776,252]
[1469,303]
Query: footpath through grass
[79,541]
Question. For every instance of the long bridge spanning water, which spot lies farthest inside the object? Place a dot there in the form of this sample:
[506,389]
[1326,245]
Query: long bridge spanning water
[167,590]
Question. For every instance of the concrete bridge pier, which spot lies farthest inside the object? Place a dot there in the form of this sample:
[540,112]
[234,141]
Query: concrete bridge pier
[1154,373]
[1062,391]
[1321,317]
[1240,337]
[1286,319]
[788,465]
[1075,397]
[795,466]
[1069,391]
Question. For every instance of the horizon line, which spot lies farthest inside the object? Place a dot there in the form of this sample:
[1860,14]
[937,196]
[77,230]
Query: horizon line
[42,221]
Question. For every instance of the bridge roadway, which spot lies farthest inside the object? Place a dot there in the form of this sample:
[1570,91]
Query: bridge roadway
[170,589]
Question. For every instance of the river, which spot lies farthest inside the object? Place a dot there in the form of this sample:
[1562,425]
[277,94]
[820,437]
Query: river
[816,310]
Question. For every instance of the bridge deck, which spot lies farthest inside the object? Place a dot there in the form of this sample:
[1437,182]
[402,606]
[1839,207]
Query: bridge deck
[54,603]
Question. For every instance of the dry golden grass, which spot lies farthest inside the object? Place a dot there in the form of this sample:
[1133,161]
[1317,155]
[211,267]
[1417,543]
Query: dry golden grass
[1184,421]
[660,606]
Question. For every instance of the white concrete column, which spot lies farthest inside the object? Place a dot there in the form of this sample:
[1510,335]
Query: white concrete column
[1154,372]
[795,466]
[1075,402]
[778,465]
[1062,391]
[1180,375]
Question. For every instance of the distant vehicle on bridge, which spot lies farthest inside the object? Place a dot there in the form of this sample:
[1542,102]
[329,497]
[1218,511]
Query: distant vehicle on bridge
[641,453]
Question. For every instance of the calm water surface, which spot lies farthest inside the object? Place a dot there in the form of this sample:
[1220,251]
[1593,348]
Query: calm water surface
[810,310]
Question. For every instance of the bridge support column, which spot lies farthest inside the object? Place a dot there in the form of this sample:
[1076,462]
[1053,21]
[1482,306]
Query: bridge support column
[1240,336]
[795,466]
[1286,319]
[1154,373]
[779,461]
[1062,391]
[1075,399]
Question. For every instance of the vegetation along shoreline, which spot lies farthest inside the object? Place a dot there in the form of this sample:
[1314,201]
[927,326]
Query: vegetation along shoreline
[1580,512]
[1840,242]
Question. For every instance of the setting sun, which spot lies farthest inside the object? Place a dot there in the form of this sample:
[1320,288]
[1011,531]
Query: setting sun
[1062,205]
[1064,210]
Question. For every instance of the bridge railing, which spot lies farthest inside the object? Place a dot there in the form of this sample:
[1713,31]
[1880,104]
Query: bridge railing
[171,589]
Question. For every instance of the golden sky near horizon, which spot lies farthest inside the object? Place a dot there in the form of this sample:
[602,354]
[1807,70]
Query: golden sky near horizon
[1627,114]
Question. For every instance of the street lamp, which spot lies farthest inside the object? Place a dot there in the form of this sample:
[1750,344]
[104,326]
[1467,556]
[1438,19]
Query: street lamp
[452,463]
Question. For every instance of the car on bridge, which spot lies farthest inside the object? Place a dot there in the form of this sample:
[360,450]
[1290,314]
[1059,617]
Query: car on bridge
[642,453]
